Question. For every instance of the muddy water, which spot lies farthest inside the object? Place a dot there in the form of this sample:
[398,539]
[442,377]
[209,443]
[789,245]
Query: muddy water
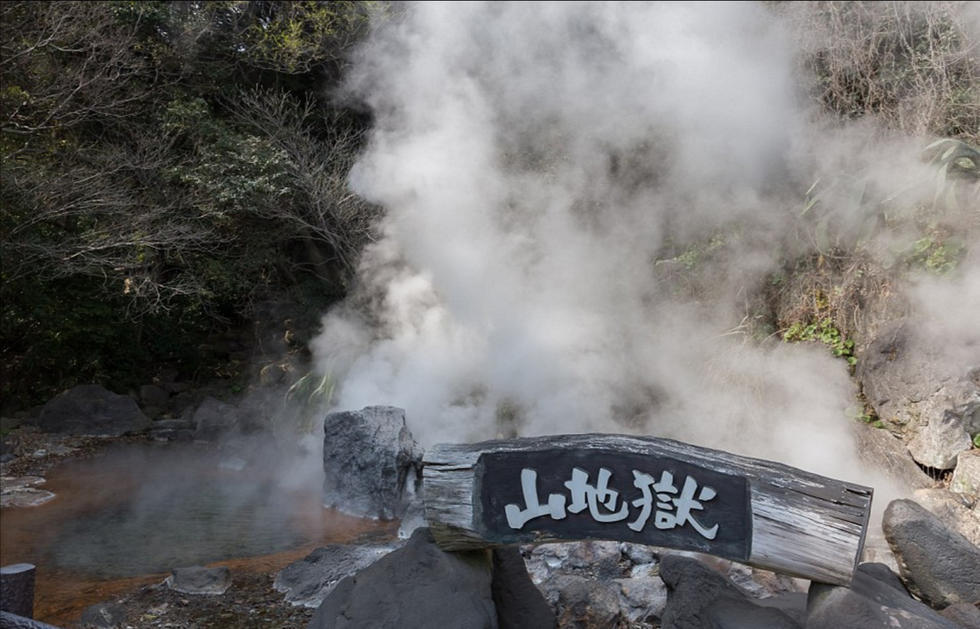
[125,518]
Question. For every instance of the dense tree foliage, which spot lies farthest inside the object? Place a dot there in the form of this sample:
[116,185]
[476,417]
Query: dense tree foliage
[165,167]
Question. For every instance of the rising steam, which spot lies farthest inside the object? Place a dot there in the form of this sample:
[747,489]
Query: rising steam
[541,166]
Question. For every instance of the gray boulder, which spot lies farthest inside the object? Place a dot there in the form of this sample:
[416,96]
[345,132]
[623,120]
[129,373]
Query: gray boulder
[875,598]
[938,565]
[371,463]
[951,508]
[912,385]
[940,441]
[200,580]
[214,418]
[584,602]
[642,599]
[700,598]
[417,586]
[308,581]
[90,409]
[966,476]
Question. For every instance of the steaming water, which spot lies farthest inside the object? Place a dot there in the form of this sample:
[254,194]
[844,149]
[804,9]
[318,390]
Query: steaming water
[141,510]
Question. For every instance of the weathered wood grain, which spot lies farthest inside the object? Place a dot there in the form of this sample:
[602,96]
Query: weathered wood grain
[802,524]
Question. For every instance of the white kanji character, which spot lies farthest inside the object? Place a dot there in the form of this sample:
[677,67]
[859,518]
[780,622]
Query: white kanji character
[686,503]
[643,482]
[517,517]
[584,494]
[663,518]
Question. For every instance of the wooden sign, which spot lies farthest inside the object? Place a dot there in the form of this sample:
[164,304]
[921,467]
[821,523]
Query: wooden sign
[649,491]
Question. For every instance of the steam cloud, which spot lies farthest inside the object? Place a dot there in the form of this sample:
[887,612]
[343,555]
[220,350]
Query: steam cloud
[536,161]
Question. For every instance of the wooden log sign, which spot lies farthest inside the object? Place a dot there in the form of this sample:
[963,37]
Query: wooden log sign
[648,491]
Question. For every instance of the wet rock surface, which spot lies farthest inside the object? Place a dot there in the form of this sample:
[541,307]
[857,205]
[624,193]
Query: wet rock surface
[23,491]
[937,564]
[371,463]
[308,581]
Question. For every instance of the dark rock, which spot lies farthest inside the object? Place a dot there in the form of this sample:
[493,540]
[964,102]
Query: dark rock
[200,580]
[937,564]
[371,464]
[90,409]
[15,621]
[519,602]
[214,418]
[308,581]
[584,602]
[874,599]
[176,387]
[417,586]
[700,598]
[103,616]
[17,589]
[952,509]
[963,614]
[793,604]
[642,599]
[152,395]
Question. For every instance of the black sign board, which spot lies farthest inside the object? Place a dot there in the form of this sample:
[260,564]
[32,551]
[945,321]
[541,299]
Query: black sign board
[605,494]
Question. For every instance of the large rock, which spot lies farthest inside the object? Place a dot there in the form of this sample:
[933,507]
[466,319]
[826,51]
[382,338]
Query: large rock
[417,586]
[966,476]
[214,419]
[938,564]
[518,602]
[938,443]
[371,463]
[952,510]
[90,409]
[642,600]
[700,598]
[584,603]
[308,581]
[912,385]
[875,598]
